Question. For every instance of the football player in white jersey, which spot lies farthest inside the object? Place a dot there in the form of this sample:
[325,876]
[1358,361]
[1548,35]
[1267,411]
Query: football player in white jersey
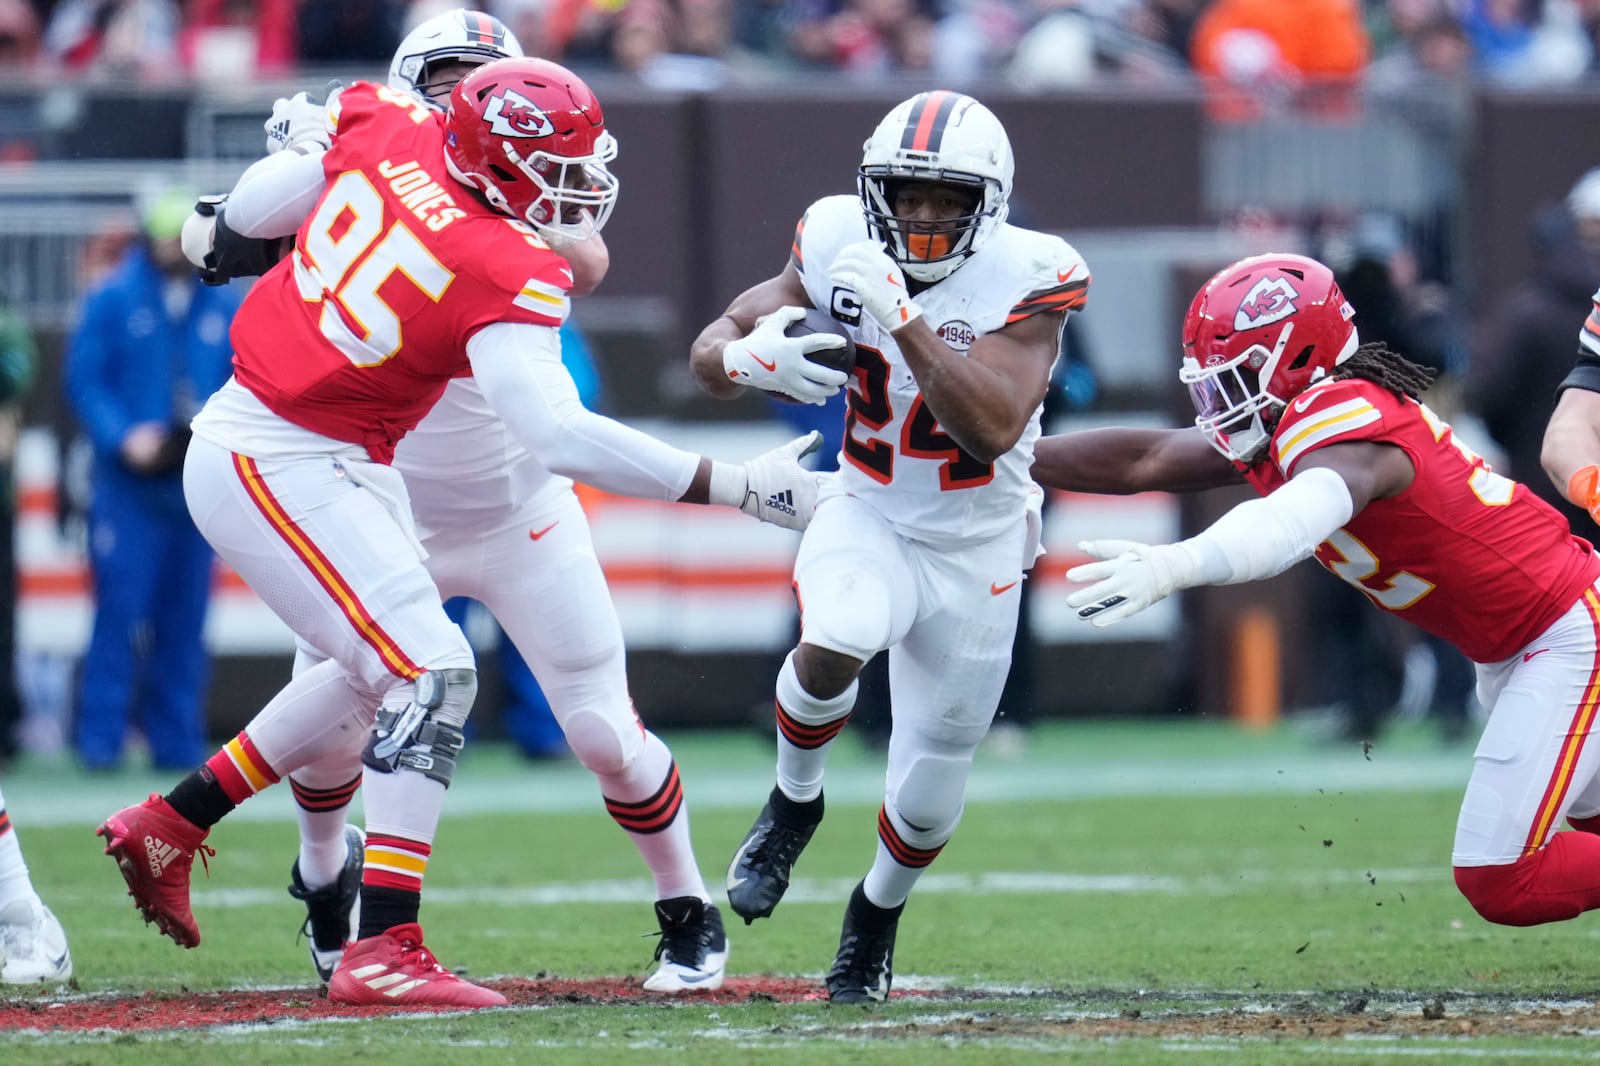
[499,527]
[920,542]
[1570,453]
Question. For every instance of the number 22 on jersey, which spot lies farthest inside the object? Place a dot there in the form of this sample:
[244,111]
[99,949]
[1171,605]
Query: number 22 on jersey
[347,255]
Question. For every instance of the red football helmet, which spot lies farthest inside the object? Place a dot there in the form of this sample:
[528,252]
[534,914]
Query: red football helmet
[529,134]
[1257,335]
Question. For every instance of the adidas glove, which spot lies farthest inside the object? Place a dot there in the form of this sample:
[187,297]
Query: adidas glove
[773,486]
[866,269]
[1130,577]
[297,123]
[771,360]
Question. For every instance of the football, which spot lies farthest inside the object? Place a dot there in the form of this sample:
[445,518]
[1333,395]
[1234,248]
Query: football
[821,322]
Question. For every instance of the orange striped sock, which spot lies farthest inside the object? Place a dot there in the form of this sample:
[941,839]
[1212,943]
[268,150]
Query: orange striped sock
[653,814]
[903,853]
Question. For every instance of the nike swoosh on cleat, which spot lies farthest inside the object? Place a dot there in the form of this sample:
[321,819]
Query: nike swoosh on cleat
[733,882]
[1063,277]
[697,979]
[995,590]
[535,534]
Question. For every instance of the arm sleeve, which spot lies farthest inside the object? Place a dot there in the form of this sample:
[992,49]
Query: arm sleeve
[276,194]
[519,369]
[1264,537]
[1585,375]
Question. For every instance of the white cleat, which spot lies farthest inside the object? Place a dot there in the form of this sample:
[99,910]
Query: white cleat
[32,944]
[693,950]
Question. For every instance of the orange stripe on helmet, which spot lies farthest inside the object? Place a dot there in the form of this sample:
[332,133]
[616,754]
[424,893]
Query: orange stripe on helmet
[925,125]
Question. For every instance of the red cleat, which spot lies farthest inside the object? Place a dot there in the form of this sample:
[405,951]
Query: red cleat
[154,847]
[394,969]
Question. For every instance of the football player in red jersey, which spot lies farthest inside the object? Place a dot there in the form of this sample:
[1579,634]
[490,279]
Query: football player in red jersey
[1354,470]
[499,527]
[425,253]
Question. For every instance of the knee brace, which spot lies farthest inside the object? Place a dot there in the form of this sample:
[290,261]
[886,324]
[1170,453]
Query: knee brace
[607,744]
[929,795]
[424,736]
[850,613]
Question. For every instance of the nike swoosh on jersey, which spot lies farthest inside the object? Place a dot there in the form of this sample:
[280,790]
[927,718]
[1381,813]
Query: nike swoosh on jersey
[995,590]
[535,534]
[1527,657]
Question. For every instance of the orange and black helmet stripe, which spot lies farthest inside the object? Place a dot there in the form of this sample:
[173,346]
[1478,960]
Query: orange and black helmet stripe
[795,255]
[930,113]
[484,29]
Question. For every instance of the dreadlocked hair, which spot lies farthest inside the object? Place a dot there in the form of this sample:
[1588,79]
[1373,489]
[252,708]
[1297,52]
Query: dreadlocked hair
[1376,363]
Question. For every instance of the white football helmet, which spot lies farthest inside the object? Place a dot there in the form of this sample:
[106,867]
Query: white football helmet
[942,137]
[462,35]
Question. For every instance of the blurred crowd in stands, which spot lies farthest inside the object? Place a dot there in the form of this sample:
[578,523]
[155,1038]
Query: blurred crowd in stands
[1265,45]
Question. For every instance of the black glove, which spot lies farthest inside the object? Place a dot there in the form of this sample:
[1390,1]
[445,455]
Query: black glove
[234,256]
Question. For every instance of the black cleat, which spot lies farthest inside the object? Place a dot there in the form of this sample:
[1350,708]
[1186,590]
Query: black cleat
[758,876]
[862,970]
[333,911]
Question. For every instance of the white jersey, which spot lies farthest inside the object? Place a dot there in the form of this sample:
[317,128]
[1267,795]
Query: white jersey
[895,456]
[1589,335]
[462,465]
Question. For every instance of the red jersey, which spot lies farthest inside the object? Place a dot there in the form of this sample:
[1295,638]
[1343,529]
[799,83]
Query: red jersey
[1466,554]
[356,334]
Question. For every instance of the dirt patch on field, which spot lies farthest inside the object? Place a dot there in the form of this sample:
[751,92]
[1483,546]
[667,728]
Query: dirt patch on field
[972,1014]
[193,1010]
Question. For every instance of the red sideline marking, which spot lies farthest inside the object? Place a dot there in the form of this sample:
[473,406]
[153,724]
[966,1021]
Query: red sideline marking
[196,1010]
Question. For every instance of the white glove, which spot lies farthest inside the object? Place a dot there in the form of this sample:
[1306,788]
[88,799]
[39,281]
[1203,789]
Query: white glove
[198,236]
[773,486]
[770,360]
[865,268]
[297,122]
[1131,578]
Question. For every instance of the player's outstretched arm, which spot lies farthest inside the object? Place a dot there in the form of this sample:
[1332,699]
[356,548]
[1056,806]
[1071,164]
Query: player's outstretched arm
[1570,454]
[1255,540]
[1117,460]
[519,368]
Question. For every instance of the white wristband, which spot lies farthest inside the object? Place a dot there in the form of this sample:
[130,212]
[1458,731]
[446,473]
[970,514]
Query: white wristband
[729,484]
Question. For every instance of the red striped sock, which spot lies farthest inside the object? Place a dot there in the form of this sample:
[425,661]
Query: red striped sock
[395,863]
[240,770]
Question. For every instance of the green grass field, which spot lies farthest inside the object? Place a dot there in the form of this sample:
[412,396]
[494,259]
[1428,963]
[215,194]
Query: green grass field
[1154,892]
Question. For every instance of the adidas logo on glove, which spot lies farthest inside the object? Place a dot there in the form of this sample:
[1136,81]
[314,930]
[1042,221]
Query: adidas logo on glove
[782,501]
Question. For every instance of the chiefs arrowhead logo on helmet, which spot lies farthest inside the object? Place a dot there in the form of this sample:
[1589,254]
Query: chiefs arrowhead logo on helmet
[510,114]
[1269,300]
